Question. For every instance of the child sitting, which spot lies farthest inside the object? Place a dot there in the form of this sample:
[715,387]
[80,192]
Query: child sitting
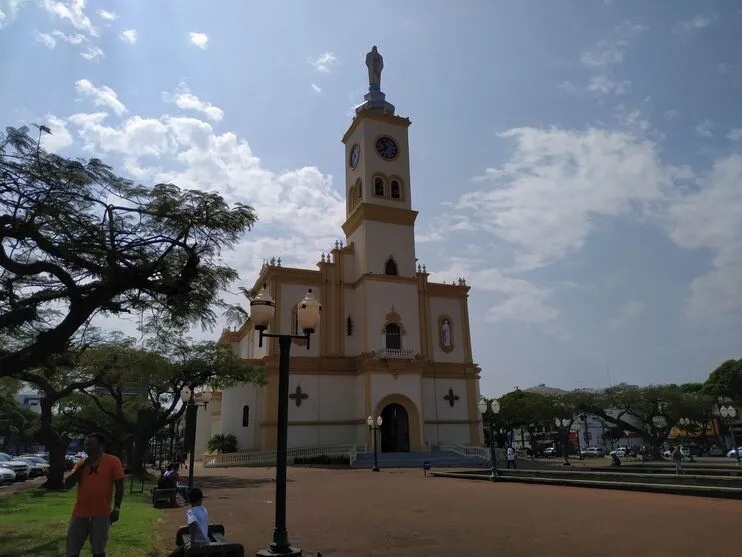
[197,518]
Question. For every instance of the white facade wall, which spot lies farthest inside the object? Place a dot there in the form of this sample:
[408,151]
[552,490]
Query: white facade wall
[204,424]
[354,309]
[233,401]
[438,409]
[454,310]
[382,296]
[384,240]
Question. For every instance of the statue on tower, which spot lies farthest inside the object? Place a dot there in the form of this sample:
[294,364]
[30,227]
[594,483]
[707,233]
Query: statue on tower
[375,64]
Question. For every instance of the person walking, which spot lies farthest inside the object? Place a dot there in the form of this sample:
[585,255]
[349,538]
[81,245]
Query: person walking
[511,456]
[92,516]
[677,458]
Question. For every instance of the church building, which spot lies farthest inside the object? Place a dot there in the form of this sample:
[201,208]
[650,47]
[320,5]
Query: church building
[390,342]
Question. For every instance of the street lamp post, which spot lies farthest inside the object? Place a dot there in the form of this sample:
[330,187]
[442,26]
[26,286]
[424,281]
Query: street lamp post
[563,427]
[374,427]
[193,400]
[262,310]
[728,413]
[489,410]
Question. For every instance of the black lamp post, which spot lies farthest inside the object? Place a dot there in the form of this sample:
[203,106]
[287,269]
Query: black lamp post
[728,413]
[193,400]
[374,428]
[563,425]
[262,310]
[489,411]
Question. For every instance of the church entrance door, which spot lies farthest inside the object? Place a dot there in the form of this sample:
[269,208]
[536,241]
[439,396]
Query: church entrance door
[395,429]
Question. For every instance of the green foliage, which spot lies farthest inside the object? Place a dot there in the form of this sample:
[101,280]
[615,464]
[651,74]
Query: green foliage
[223,443]
[77,240]
[34,523]
[726,381]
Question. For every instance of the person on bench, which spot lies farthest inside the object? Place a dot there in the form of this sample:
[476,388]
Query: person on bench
[197,518]
[171,480]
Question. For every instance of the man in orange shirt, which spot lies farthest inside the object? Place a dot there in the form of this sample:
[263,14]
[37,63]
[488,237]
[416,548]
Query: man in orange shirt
[92,515]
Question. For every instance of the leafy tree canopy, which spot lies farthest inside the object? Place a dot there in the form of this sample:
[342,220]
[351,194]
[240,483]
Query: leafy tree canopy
[77,240]
[726,381]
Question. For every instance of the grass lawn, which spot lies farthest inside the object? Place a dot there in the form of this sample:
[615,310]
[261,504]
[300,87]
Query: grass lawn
[33,523]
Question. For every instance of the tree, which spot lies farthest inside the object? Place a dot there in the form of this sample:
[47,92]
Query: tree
[527,410]
[17,423]
[156,381]
[223,443]
[725,381]
[77,240]
[648,412]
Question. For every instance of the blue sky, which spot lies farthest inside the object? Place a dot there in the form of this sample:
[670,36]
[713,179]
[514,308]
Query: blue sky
[580,163]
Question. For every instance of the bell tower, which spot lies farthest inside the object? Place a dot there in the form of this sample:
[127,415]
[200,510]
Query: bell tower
[379,221]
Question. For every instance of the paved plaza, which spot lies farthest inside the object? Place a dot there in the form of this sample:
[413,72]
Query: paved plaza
[358,513]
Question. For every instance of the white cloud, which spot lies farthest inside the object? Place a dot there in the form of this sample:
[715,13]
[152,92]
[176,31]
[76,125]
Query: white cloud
[101,96]
[199,39]
[735,135]
[130,36]
[185,100]
[60,137]
[672,114]
[704,128]
[8,11]
[543,201]
[517,299]
[605,85]
[188,152]
[324,62]
[630,310]
[46,39]
[50,39]
[697,22]
[93,53]
[316,88]
[610,51]
[108,16]
[72,11]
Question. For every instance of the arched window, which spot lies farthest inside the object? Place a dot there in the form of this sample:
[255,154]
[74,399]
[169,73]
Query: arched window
[393,337]
[390,268]
[395,189]
[245,416]
[379,186]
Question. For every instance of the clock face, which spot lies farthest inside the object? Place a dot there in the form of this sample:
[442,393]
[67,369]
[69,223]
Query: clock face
[387,148]
[355,156]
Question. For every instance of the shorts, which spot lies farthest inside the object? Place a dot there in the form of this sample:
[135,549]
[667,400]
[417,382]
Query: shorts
[80,529]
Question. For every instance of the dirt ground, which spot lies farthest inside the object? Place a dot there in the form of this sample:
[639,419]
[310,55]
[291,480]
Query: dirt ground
[394,513]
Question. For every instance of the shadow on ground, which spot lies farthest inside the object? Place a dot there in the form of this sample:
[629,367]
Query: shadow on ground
[50,548]
[227,482]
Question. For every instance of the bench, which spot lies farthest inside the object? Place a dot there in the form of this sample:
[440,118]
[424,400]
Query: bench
[164,497]
[218,546]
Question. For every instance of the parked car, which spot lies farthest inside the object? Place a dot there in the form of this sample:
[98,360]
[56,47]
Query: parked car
[715,451]
[593,452]
[7,476]
[620,452]
[683,451]
[39,467]
[550,451]
[733,454]
[20,467]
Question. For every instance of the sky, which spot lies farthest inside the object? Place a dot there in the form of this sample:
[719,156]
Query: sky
[578,162]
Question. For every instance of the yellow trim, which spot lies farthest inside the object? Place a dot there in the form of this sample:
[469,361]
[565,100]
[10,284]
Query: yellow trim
[475,419]
[443,347]
[378,213]
[317,423]
[367,114]
[466,328]
[413,417]
[438,290]
[423,307]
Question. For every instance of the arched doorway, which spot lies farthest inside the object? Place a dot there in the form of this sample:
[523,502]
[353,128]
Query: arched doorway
[395,429]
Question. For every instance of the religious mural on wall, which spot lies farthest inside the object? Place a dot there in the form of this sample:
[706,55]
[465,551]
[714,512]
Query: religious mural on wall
[445,333]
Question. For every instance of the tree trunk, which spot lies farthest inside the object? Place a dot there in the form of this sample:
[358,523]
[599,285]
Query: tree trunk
[56,444]
[139,453]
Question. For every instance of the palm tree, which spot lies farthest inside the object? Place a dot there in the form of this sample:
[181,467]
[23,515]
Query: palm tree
[223,443]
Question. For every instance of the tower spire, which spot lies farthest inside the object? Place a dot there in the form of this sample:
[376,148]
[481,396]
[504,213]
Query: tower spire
[375,100]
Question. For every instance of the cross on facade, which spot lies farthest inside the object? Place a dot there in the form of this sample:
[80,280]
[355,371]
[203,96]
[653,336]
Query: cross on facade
[451,398]
[299,395]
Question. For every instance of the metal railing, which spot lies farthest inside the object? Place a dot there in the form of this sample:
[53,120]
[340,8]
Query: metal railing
[396,353]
